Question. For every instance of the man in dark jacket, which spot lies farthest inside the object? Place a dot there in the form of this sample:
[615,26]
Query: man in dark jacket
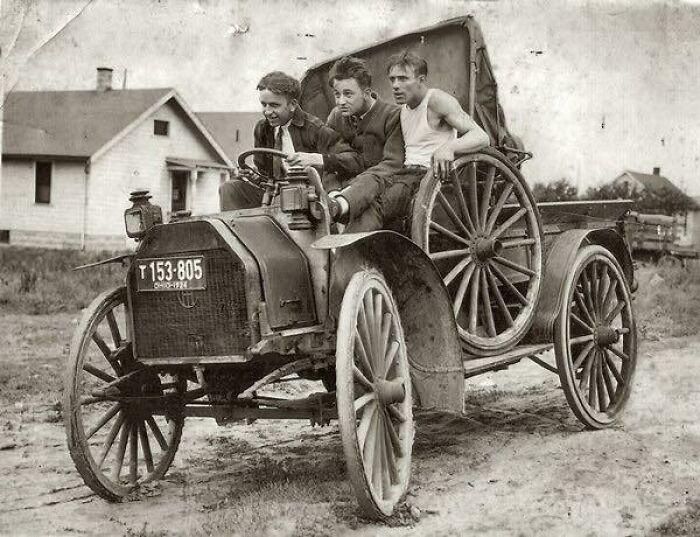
[306,140]
[373,129]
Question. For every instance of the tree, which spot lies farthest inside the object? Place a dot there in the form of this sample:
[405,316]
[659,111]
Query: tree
[559,190]
[664,201]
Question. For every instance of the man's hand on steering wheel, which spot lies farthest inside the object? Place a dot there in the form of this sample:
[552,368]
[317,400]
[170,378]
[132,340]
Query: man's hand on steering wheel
[305,159]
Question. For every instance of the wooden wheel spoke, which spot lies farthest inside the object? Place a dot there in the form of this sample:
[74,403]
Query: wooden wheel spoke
[393,436]
[106,417]
[594,287]
[97,338]
[121,450]
[389,452]
[157,433]
[146,447]
[590,358]
[365,336]
[361,378]
[615,312]
[386,333]
[361,353]
[395,413]
[587,292]
[372,342]
[581,339]
[368,445]
[613,368]
[473,194]
[620,354]
[582,355]
[378,322]
[496,292]
[377,456]
[602,402]
[474,300]
[581,322]
[365,421]
[603,288]
[363,400]
[91,400]
[447,233]
[505,281]
[386,464]
[448,254]
[447,207]
[496,212]
[111,436]
[593,382]
[486,194]
[133,454]
[578,297]
[390,356]
[517,243]
[609,297]
[609,386]
[466,218]
[97,372]
[508,223]
[515,266]
[459,267]
[462,289]
[488,313]
[114,328]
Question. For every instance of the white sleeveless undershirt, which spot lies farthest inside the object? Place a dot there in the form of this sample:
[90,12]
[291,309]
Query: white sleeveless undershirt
[420,139]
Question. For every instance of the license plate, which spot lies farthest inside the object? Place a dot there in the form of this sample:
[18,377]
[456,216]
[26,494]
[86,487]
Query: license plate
[171,274]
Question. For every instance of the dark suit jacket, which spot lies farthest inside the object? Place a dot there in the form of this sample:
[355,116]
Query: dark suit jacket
[377,137]
[309,135]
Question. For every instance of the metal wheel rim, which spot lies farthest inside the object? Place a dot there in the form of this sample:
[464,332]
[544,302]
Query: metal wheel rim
[377,436]
[478,283]
[597,375]
[125,429]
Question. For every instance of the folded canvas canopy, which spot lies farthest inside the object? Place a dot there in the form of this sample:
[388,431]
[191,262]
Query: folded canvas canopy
[457,63]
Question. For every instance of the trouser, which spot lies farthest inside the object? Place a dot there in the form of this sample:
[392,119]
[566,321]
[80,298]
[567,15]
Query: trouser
[396,200]
[239,194]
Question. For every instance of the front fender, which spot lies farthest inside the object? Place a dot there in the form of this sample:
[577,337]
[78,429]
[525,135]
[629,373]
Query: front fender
[431,334]
[559,262]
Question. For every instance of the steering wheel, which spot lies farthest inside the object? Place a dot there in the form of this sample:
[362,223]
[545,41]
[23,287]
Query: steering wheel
[259,151]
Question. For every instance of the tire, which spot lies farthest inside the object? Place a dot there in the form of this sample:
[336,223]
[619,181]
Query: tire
[374,395]
[595,371]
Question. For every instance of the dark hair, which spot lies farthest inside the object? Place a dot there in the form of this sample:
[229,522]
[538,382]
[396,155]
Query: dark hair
[281,84]
[409,59]
[350,67]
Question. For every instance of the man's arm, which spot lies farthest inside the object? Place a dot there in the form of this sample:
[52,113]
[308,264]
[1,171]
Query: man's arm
[470,137]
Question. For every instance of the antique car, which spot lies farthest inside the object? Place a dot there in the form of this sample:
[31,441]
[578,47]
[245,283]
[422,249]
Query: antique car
[216,308]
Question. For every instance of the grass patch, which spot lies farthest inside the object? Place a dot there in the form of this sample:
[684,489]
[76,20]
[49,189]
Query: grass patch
[36,281]
[667,302]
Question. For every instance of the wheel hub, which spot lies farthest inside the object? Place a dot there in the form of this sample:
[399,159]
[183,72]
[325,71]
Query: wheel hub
[390,391]
[484,248]
[605,335]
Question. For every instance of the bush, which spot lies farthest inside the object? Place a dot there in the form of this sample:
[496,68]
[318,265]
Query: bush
[36,281]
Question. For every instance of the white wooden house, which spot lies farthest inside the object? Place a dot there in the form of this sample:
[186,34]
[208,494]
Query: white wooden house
[70,159]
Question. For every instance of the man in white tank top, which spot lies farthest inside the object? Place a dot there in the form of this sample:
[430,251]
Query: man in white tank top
[434,126]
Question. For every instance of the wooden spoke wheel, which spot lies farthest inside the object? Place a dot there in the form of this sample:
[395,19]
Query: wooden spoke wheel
[374,395]
[595,339]
[482,230]
[123,421]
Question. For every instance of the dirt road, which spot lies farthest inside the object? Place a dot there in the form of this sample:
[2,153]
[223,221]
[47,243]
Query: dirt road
[519,464]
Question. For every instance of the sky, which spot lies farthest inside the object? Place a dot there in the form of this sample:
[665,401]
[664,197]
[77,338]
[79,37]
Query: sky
[592,87]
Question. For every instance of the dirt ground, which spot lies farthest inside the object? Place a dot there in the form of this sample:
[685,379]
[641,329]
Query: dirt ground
[518,463]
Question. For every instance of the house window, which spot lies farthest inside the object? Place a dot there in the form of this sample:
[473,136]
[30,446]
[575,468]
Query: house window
[42,182]
[4,236]
[160,127]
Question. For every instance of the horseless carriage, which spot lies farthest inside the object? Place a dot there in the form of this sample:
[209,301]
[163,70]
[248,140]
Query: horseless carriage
[478,277]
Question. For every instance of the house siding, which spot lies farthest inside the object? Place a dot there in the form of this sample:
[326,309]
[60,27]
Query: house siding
[57,224]
[138,161]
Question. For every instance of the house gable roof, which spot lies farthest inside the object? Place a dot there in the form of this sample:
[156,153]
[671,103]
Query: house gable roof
[82,124]
[657,184]
[233,130]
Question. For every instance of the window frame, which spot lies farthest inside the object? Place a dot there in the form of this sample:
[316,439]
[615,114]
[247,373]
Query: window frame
[163,123]
[37,201]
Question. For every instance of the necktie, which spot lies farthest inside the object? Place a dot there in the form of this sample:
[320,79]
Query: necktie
[277,161]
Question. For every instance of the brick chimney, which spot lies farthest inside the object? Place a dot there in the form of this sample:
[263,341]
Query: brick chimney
[104,79]
[657,170]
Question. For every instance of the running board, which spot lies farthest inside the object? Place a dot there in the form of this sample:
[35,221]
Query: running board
[474,365]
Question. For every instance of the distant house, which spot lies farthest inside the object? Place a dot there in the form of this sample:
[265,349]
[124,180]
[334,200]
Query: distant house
[687,222]
[233,130]
[70,159]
